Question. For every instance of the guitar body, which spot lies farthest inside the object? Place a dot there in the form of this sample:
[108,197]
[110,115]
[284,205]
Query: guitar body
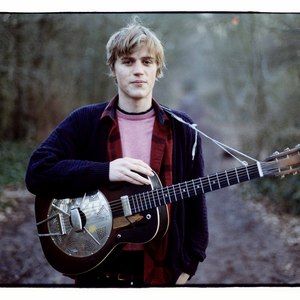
[80,234]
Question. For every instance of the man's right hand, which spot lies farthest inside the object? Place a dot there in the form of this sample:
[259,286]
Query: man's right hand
[124,169]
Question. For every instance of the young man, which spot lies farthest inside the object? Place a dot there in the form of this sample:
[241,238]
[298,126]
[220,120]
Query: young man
[124,140]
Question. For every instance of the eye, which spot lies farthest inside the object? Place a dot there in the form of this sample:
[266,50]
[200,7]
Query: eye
[147,61]
[127,61]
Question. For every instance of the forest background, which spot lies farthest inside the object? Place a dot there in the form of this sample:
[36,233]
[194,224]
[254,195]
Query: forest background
[240,70]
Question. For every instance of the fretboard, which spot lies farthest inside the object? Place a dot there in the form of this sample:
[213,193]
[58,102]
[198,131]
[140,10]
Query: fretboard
[162,196]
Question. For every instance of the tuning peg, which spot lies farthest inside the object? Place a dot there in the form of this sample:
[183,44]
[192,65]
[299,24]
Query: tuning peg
[295,173]
[287,149]
[282,176]
[297,146]
[275,153]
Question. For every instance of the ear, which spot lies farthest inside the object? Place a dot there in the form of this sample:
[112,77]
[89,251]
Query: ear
[112,70]
[158,73]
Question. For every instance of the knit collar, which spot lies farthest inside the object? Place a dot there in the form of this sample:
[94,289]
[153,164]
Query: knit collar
[136,117]
[110,110]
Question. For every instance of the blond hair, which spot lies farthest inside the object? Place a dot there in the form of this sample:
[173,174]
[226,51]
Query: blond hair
[125,40]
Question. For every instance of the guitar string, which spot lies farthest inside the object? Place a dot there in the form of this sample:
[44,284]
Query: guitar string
[231,174]
[190,182]
[218,177]
[116,204]
[178,187]
[172,194]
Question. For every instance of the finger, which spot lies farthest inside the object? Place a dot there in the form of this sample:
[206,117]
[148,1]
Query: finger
[137,177]
[139,163]
[140,178]
[141,169]
[130,180]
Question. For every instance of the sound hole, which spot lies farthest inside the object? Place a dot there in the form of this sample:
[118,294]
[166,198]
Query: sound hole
[82,217]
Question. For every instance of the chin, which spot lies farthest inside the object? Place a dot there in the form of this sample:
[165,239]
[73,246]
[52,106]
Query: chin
[138,96]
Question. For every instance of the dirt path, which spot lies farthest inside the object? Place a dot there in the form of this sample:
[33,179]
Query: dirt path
[248,244]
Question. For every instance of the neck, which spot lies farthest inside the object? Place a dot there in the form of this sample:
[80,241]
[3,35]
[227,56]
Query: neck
[131,105]
[173,193]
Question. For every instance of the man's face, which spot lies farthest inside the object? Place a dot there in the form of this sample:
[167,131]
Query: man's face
[136,74]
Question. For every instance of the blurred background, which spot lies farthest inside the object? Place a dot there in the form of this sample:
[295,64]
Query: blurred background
[236,74]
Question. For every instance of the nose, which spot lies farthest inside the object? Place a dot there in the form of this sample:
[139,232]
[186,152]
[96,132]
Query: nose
[138,68]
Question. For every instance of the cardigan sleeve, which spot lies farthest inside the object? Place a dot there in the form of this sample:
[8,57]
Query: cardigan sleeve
[196,224]
[55,168]
[196,221]
[189,234]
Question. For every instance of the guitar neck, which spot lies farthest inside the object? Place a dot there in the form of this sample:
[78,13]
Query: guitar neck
[162,196]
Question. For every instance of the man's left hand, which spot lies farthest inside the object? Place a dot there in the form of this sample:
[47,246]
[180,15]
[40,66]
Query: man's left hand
[182,279]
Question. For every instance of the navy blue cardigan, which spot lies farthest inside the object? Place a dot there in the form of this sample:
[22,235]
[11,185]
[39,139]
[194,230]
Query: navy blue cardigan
[73,160]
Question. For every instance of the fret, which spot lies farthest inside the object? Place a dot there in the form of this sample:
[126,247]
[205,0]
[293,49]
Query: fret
[179,185]
[163,194]
[193,182]
[227,178]
[137,202]
[206,184]
[141,203]
[174,192]
[154,198]
[170,199]
[150,197]
[158,197]
[237,175]
[150,206]
[209,183]
[147,204]
[134,208]
[247,173]
[137,199]
[147,200]
[202,188]
[187,189]
[218,181]
[141,200]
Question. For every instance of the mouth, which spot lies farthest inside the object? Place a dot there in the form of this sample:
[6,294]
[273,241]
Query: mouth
[138,82]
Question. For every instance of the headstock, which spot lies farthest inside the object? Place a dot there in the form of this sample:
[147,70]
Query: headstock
[283,163]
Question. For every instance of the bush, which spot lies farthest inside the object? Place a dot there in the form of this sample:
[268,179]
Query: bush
[14,158]
[281,195]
